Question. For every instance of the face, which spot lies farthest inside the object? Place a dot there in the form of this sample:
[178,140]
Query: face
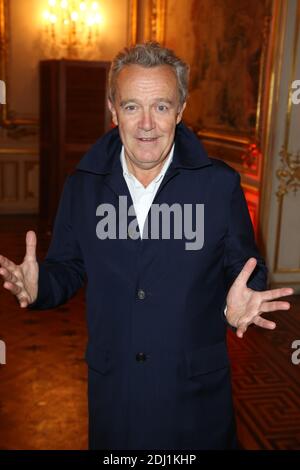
[146,109]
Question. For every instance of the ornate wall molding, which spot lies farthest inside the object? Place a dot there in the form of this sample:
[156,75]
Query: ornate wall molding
[19,189]
[158,17]
[132,21]
[288,173]
[147,20]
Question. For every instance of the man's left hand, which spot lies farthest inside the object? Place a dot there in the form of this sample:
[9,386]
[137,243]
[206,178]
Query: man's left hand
[245,305]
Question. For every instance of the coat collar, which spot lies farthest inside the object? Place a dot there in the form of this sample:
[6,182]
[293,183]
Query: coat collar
[104,157]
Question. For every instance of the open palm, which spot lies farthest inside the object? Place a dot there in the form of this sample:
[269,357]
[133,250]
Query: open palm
[245,305]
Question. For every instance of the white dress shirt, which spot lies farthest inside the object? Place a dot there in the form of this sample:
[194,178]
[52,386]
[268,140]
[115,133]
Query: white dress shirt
[143,197]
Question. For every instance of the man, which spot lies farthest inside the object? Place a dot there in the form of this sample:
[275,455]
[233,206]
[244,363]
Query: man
[159,374]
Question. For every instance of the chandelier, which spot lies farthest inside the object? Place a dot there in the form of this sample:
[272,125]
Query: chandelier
[72,24]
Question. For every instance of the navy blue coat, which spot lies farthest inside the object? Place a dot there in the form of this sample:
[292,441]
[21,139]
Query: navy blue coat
[159,373]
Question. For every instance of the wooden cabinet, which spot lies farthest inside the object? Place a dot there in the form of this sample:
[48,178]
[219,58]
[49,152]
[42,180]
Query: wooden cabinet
[73,115]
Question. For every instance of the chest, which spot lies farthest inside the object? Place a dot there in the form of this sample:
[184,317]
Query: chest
[185,224]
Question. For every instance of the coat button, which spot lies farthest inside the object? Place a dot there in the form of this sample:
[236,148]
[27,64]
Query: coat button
[141,357]
[141,294]
[132,233]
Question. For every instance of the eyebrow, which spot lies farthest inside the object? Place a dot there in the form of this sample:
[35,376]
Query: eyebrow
[158,100]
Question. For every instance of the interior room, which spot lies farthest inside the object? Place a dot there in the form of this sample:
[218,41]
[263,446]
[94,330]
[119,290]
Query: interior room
[243,106]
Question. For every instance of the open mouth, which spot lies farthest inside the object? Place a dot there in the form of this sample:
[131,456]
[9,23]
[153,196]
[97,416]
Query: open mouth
[147,139]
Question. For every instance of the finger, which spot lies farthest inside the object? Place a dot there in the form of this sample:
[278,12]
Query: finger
[273,306]
[276,293]
[30,246]
[23,302]
[240,331]
[7,263]
[7,275]
[246,272]
[13,288]
[263,323]
[243,325]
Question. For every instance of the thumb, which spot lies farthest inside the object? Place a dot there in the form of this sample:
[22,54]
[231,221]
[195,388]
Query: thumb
[30,246]
[246,272]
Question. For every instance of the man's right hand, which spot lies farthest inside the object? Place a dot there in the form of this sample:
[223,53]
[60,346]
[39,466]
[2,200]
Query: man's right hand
[22,279]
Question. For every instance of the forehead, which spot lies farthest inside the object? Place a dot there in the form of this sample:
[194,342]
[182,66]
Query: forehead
[135,79]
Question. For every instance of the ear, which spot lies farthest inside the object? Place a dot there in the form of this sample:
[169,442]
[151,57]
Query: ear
[180,113]
[113,112]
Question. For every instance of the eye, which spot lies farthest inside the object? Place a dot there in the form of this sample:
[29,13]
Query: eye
[130,107]
[162,107]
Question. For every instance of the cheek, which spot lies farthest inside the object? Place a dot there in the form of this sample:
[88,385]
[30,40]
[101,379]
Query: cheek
[127,130]
[167,123]
[168,129]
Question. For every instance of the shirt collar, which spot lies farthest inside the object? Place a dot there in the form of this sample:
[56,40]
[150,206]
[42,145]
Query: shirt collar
[162,172]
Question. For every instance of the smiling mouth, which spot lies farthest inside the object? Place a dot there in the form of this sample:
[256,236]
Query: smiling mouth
[147,139]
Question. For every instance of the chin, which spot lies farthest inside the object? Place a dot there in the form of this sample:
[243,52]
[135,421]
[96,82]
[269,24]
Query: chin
[150,160]
[146,158]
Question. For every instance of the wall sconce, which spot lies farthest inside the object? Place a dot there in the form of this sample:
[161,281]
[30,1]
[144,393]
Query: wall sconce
[72,24]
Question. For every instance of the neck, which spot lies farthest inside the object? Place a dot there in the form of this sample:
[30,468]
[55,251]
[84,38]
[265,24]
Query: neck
[144,175]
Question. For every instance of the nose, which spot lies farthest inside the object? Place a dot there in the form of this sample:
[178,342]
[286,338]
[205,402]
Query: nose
[146,121]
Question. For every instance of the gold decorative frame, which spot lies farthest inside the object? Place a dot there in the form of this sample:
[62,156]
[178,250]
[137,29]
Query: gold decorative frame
[288,173]
[147,20]
[5,120]
[132,22]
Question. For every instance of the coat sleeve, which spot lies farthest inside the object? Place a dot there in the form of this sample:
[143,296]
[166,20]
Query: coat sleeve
[62,273]
[240,242]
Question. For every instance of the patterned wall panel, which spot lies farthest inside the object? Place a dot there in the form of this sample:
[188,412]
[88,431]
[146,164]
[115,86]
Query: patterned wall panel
[19,190]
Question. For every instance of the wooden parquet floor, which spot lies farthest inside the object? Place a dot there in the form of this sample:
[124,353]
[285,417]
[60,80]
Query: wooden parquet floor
[43,402]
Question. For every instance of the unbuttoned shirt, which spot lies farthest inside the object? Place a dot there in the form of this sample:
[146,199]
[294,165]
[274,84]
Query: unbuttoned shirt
[142,197]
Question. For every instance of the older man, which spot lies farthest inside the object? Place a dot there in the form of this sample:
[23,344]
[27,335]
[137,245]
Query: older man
[159,374]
